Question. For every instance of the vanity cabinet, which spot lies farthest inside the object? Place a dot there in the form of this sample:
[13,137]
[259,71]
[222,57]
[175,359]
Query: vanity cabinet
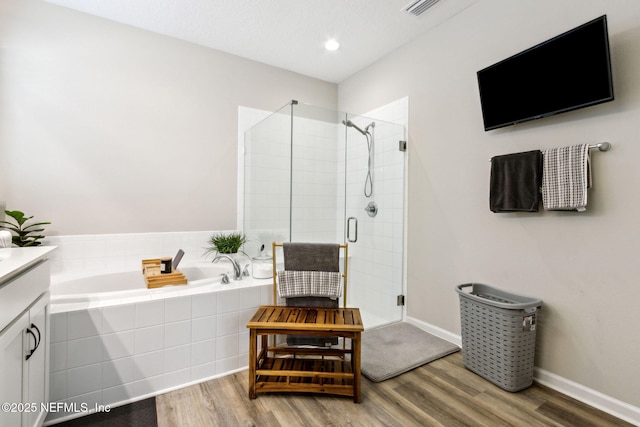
[24,348]
[12,366]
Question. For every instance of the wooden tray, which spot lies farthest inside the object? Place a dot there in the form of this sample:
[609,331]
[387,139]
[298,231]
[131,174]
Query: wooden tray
[155,279]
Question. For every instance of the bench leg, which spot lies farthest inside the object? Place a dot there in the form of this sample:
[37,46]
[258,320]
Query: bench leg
[355,342]
[253,360]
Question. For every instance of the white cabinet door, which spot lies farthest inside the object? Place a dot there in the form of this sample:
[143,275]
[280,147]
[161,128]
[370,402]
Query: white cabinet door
[12,353]
[37,367]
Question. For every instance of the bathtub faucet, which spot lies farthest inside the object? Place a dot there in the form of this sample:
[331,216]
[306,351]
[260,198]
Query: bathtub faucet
[236,266]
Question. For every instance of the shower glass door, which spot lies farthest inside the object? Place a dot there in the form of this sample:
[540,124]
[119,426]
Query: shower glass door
[304,181]
[374,217]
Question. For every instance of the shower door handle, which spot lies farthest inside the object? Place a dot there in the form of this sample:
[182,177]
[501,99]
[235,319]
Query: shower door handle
[355,220]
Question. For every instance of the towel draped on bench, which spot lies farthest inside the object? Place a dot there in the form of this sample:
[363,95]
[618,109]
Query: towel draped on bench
[293,283]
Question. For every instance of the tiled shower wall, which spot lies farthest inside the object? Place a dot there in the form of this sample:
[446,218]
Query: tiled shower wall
[267,151]
[315,173]
[272,162]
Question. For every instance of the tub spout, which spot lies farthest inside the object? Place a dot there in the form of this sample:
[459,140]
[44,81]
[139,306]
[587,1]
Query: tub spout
[236,267]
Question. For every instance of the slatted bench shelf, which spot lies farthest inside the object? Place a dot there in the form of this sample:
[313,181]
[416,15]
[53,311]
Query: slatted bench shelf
[305,370]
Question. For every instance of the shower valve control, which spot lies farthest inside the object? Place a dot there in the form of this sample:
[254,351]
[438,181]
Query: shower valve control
[371,209]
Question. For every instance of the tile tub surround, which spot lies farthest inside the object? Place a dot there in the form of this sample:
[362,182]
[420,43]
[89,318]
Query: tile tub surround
[118,354]
[108,252]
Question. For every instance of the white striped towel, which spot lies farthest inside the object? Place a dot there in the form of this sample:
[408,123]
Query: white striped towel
[293,283]
[565,178]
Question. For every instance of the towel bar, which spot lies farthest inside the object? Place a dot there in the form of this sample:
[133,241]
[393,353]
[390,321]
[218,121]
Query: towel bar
[601,146]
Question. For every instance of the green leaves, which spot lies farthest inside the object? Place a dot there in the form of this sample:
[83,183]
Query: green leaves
[23,233]
[226,243]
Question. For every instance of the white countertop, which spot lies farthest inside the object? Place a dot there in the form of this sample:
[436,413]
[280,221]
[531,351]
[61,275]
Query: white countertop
[14,260]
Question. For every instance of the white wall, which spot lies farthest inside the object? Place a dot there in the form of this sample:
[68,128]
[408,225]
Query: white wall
[583,265]
[105,128]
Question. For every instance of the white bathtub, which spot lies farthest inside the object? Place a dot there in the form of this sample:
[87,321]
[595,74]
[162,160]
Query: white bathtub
[113,341]
[90,290]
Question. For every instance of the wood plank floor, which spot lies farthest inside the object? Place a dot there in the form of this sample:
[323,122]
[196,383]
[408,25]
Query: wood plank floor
[442,393]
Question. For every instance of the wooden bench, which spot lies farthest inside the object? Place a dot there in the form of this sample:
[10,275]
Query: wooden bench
[305,370]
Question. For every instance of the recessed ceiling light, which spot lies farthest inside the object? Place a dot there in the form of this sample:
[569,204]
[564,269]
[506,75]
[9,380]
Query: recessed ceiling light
[332,44]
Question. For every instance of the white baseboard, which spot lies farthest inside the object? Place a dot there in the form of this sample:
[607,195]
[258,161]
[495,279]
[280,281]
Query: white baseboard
[608,404]
[434,330]
[591,397]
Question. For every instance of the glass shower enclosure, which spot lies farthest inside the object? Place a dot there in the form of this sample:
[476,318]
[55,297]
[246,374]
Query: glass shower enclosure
[317,175]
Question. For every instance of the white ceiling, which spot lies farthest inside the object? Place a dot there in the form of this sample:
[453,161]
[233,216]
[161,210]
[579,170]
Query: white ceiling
[288,34]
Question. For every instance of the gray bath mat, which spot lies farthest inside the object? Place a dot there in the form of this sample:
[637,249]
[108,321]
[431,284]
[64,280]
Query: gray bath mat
[394,349]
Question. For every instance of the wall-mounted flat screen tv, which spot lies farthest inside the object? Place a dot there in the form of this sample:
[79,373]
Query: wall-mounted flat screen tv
[567,72]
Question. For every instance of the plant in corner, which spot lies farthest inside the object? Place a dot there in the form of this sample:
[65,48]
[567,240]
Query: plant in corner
[23,233]
[226,243]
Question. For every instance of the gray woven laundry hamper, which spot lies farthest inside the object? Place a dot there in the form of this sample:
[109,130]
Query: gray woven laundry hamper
[498,335]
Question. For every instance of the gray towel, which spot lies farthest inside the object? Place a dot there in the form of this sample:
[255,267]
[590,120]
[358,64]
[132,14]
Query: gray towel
[566,178]
[515,182]
[311,256]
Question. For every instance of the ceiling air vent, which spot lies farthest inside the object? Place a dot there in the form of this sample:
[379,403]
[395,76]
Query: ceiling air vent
[417,8]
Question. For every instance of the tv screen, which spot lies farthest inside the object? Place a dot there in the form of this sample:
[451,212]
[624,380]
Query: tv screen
[567,72]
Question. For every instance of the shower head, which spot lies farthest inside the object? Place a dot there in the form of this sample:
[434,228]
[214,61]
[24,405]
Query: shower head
[350,124]
[368,183]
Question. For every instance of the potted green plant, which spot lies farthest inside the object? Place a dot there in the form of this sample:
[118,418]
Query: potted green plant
[23,233]
[226,243]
